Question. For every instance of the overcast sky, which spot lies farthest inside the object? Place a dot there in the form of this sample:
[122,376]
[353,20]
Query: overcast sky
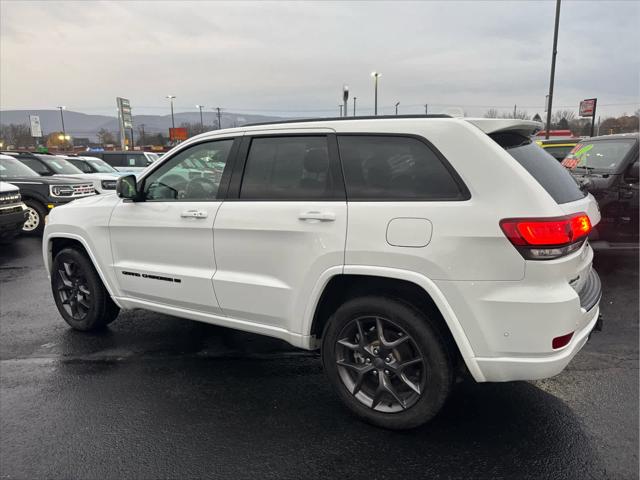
[293,58]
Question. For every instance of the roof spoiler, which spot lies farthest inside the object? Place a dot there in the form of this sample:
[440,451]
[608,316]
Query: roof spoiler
[495,125]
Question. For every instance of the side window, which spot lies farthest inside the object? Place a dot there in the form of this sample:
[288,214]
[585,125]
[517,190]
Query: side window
[81,165]
[136,160]
[287,168]
[114,159]
[394,168]
[193,174]
[37,166]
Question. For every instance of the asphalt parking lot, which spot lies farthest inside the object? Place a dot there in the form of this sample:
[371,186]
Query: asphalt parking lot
[158,397]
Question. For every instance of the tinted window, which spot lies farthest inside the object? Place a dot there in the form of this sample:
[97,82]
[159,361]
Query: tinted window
[114,159]
[81,164]
[387,167]
[553,177]
[193,174]
[136,160]
[37,166]
[59,165]
[287,168]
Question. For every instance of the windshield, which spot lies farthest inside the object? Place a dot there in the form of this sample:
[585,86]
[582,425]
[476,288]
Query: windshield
[13,168]
[60,165]
[599,155]
[100,166]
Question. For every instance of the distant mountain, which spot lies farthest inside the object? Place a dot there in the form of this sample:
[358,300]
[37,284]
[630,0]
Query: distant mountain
[85,125]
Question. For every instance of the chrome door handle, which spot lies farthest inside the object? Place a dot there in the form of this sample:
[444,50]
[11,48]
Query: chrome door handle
[194,214]
[321,216]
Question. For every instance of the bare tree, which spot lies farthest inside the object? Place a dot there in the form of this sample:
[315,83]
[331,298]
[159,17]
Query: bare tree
[18,135]
[491,113]
[106,137]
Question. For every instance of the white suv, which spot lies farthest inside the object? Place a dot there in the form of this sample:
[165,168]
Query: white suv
[405,248]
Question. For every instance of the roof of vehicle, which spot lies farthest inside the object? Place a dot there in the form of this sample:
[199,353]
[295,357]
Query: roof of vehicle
[617,136]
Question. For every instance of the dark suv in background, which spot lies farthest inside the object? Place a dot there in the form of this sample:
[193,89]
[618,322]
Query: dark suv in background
[41,194]
[607,167]
[127,161]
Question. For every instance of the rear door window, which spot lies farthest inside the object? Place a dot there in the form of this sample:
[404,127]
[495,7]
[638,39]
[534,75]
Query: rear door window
[288,168]
[37,166]
[383,167]
[549,173]
[114,159]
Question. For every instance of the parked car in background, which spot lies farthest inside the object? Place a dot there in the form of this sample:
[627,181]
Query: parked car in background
[390,243]
[558,149]
[607,167]
[47,165]
[13,212]
[41,194]
[127,161]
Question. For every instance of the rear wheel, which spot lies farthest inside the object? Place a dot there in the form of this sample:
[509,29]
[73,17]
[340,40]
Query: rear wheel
[387,362]
[34,225]
[78,291]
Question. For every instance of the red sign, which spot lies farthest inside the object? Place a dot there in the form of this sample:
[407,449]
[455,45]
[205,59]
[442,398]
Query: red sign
[587,107]
[178,134]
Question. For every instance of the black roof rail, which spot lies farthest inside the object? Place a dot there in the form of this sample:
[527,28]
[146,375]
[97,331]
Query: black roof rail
[333,119]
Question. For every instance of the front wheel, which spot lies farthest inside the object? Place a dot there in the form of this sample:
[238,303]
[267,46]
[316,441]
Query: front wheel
[78,291]
[34,225]
[387,362]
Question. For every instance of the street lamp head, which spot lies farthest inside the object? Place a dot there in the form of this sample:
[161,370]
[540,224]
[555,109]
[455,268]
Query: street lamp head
[199,106]
[62,107]
[376,74]
[171,97]
[397,103]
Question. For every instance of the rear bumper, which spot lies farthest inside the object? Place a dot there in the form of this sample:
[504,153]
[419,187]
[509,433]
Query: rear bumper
[504,369]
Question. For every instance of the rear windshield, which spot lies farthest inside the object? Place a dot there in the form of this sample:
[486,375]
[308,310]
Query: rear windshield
[549,173]
[601,155]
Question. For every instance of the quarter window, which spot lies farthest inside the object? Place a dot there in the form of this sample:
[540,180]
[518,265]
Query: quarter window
[288,168]
[191,175]
[394,168]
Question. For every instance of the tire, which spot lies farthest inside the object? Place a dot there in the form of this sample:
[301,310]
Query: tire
[78,291]
[412,360]
[35,221]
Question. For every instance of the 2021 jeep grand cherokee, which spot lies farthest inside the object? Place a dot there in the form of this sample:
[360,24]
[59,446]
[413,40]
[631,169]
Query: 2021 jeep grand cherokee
[406,248]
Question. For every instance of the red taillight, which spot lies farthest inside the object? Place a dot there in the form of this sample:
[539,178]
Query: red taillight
[556,235]
[561,341]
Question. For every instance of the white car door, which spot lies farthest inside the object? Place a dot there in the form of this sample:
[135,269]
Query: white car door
[282,226]
[163,245]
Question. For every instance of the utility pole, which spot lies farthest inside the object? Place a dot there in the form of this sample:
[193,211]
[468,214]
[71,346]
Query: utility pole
[201,121]
[553,68]
[219,118]
[354,106]
[173,123]
[144,142]
[375,76]
[397,103]
[426,109]
[514,111]
[345,98]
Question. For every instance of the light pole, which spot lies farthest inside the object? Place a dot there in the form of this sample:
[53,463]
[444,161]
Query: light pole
[354,106]
[173,123]
[340,105]
[397,103]
[201,122]
[345,98]
[217,109]
[64,133]
[553,68]
[375,76]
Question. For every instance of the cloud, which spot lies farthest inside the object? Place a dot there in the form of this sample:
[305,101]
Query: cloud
[290,57]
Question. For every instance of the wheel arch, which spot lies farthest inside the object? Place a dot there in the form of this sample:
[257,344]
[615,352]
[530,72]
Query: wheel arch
[59,241]
[410,287]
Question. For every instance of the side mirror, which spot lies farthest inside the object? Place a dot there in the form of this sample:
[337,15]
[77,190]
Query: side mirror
[126,187]
[633,171]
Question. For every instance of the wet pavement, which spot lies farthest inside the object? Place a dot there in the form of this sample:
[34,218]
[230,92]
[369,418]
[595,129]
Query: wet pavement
[154,396]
